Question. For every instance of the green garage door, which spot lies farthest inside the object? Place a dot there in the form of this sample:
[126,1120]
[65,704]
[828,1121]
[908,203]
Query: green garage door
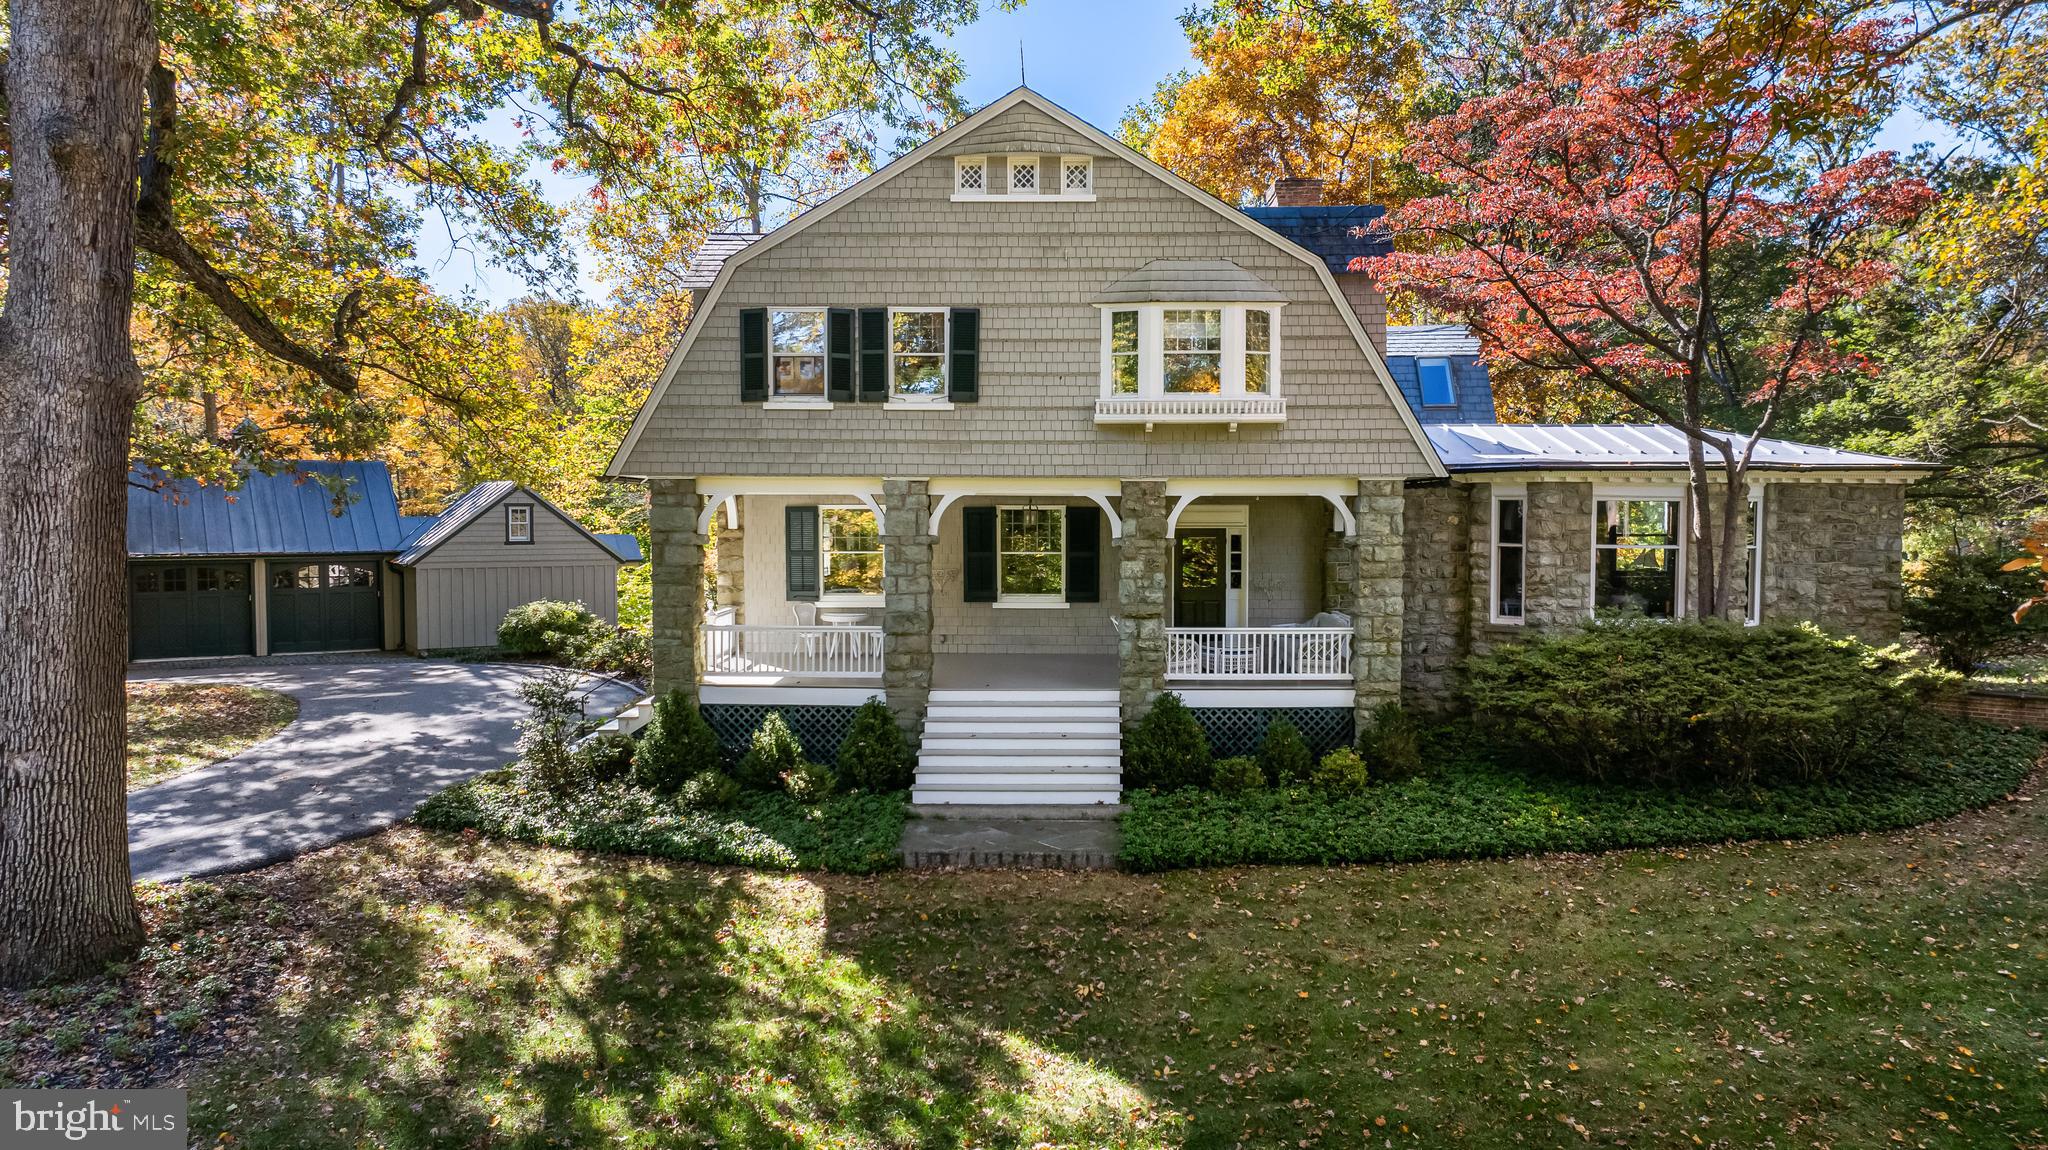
[185,610]
[327,604]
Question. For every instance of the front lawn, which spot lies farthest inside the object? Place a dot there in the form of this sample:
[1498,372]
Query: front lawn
[852,834]
[175,726]
[420,989]
[1476,806]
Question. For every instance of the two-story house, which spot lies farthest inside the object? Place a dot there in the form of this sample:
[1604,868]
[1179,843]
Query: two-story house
[1023,429]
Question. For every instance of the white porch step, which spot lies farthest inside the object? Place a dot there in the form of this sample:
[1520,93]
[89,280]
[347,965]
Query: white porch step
[1090,728]
[1014,748]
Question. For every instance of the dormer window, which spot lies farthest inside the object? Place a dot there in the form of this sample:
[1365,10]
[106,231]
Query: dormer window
[1024,176]
[1437,387]
[1180,362]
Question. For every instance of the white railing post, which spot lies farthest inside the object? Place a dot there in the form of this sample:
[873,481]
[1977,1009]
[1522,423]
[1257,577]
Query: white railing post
[1258,653]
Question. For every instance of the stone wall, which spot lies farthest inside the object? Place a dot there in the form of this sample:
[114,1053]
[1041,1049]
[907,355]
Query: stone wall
[907,601]
[1436,592]
[1141,596]
[1558,572]
[731,549]
[675,639]
[1832,554]
[1376,604]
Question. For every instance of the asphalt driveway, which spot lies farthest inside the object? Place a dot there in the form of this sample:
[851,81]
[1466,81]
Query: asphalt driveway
[373,740]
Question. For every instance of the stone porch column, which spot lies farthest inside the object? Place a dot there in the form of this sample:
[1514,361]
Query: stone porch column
[1340,571]
[1376,600]
[1141,596]
[678,606]
[732,568]
[907,601]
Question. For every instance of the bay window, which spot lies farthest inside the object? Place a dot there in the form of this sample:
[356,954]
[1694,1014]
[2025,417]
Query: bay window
[1636,556]
[1193,350]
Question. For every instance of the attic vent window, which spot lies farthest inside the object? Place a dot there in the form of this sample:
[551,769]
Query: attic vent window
[1077,174]
[1024,175]
[970,175]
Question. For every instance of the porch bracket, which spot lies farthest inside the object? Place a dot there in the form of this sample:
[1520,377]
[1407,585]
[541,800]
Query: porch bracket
[1116,522]
[731,504]
[1346,521]
[939,512]
[1180,505]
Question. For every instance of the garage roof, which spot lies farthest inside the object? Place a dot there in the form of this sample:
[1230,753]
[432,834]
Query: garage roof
[289,513]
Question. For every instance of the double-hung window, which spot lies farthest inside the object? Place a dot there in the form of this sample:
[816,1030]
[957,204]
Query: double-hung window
[1636,556]
[796,343]
[519,523]
[1192,350]
[1031,565]
[917,353]
[850,547]
[1509,540]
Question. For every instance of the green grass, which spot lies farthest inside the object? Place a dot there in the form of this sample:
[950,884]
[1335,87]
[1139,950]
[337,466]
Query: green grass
[175,726]
[853,834]
[2025,671]
[1475,807]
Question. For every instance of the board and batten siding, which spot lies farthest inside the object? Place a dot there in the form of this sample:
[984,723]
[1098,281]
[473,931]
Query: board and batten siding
[1033,269]
[462,589]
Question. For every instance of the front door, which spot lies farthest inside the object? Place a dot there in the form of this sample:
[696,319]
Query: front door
[1198,583]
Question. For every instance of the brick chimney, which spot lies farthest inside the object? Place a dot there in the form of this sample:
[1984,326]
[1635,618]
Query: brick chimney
[1297,192]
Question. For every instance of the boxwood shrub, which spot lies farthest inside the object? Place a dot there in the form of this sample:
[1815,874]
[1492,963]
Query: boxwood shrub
[1476,806]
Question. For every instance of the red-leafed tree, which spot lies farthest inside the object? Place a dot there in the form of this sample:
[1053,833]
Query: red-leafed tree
[1669,218]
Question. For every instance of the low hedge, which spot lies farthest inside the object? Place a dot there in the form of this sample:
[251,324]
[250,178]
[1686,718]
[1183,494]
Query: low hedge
[1478,807]
[853,834]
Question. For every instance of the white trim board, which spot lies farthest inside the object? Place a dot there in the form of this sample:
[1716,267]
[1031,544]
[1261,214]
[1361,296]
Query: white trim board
[1268,697]
[937,146]
[788,696]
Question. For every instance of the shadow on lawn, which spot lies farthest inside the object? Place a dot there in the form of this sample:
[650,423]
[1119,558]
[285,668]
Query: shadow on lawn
[579,1001]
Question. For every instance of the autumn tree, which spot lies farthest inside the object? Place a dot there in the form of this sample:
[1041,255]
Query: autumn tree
[266,167]
[1670,218]
[1285,89]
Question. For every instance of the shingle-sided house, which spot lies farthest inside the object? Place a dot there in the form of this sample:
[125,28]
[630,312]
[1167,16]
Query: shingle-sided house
[279,565]
[1022,430]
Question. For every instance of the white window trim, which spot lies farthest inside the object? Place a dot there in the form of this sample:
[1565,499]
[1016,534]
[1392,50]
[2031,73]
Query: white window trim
[1641,495]
[1043,195]
[1152,350]
[1753,589]
[1450,376]
[820,400]
[843,598]
[527,535]
[1502,494]
[923,402]
[1036,600]
[1014,164]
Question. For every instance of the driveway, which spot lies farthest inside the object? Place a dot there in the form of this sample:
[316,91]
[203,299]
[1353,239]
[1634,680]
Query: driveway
[373,740]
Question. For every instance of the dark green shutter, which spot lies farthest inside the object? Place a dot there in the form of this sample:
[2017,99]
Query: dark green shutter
[874,354]
[800,559]
[839,354]
[1084,554]
[753,354]
[963,384]
[978,554]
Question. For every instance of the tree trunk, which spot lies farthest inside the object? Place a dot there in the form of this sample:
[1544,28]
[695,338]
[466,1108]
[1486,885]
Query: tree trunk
[1705,604]
[75,71]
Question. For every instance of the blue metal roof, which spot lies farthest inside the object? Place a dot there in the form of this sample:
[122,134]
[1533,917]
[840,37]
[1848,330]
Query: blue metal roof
[625,546]
[289,513]
[1336,232]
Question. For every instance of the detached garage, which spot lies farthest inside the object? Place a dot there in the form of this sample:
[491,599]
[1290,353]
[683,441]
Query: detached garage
[317,558]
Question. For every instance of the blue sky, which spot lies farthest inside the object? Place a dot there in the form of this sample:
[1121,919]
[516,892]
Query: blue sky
[1094,57]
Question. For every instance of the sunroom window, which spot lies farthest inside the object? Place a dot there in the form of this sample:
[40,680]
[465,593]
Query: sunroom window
[1636,557]
[1191,350]
[797,348]
[1031,554]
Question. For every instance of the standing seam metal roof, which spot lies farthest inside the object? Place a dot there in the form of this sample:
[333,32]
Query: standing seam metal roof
[1622,447]
[288,513]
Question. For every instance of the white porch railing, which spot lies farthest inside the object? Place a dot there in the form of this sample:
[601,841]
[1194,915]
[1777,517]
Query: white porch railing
[1242,653]
[1232,409]
[817,652]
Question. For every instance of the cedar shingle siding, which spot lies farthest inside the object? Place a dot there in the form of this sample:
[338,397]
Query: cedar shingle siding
[1032,269]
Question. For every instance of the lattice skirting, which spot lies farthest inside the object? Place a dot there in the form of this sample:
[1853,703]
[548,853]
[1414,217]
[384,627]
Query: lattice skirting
[819,728]
[1237,730]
